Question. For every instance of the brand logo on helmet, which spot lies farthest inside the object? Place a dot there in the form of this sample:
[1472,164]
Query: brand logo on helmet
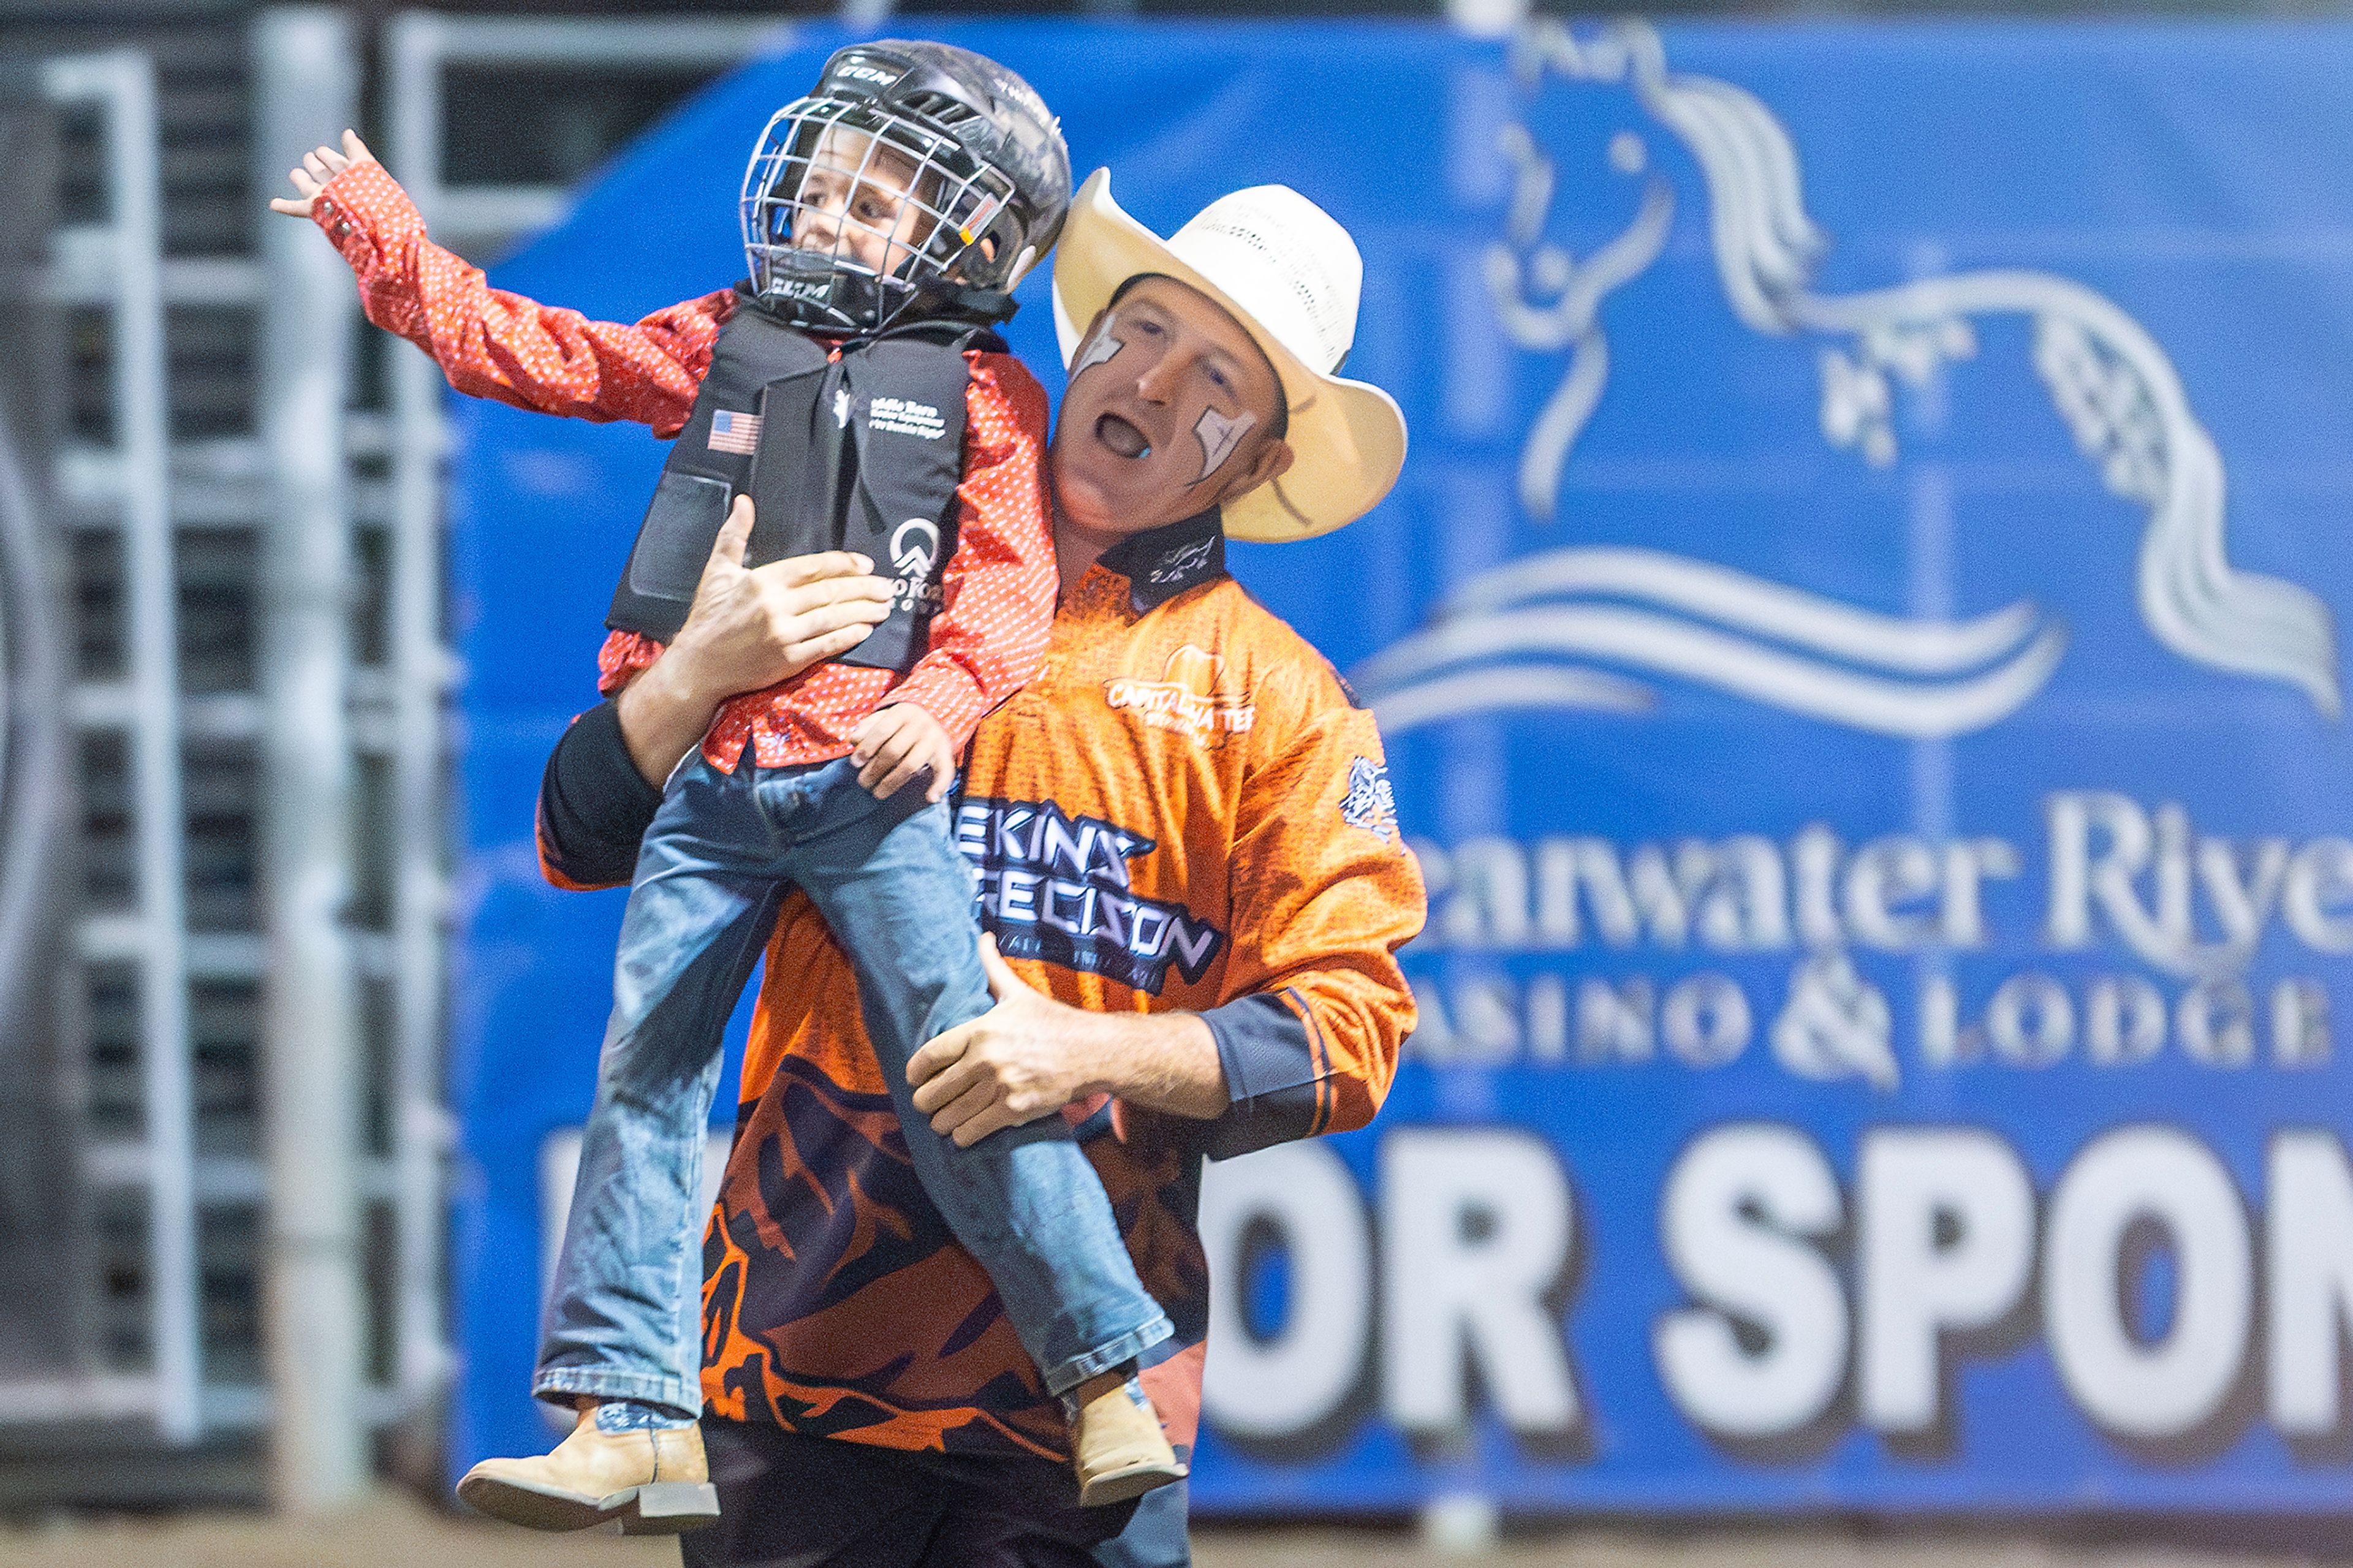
[857,70]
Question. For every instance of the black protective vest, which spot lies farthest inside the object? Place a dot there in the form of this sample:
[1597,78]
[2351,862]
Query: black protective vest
[863,451]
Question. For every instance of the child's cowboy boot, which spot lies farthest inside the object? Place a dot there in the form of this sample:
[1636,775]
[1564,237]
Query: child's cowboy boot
[1116,1441]
[616,1465]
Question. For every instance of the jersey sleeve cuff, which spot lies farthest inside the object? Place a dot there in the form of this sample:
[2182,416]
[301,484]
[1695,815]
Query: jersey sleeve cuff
[362,210]
[594,805]
[949,696]
[1273,1078]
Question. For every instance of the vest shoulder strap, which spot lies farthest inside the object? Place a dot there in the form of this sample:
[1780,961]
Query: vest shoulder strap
[964,337]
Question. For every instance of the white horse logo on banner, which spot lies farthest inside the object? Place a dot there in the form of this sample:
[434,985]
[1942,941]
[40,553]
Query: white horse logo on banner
[1512,638]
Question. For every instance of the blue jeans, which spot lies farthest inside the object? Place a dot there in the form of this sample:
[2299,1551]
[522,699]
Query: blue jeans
[626,1320]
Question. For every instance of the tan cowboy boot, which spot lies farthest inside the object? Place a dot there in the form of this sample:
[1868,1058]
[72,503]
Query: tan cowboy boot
[1116,1442]
[653,1481]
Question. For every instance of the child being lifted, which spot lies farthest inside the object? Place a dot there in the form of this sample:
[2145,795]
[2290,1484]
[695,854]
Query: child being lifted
[848,396]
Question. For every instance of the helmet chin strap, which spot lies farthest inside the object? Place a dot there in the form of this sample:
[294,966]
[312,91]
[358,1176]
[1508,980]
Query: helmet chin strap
[837,306]
[851,304]
[989,305]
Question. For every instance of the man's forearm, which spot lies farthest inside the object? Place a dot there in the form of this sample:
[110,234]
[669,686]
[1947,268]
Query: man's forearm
[1161,1061]
[1031,1056]
[662,718]
[594,808]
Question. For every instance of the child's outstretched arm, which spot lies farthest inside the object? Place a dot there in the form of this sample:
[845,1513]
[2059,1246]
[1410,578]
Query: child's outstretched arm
[489,342]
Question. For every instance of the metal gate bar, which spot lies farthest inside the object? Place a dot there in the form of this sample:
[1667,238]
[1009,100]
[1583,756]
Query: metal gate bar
[116,266]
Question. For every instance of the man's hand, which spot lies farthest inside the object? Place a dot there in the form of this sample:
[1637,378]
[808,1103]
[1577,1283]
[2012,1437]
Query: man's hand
[748,629]
[894,746]
[319,165]
[1025,1057]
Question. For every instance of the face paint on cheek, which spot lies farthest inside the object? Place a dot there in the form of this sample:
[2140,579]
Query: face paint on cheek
[1219,437]
[1098,349]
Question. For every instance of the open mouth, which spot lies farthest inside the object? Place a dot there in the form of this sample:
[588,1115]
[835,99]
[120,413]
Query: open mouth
[1123,437]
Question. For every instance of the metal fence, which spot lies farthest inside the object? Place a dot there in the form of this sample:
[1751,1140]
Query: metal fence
[245,529]
[108,267]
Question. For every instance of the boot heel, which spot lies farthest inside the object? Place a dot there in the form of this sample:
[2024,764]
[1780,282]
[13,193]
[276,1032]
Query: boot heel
[671,1508]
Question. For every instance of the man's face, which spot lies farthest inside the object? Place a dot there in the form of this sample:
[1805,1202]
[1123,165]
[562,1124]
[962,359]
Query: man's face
[1169,412]
[861,195]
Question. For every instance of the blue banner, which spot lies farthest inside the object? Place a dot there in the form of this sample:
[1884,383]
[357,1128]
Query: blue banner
[1857,641]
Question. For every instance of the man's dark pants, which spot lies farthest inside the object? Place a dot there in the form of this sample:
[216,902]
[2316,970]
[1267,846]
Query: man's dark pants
[790,1502]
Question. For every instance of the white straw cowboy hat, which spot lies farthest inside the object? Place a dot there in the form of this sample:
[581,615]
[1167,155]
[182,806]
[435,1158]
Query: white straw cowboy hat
[1290,274]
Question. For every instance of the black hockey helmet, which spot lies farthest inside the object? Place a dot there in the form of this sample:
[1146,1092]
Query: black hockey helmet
[963,141]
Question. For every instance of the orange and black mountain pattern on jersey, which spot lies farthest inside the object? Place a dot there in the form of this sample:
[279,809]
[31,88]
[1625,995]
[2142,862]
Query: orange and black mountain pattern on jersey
[871,1286]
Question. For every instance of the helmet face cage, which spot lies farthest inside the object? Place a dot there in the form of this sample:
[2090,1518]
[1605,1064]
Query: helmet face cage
[834,255]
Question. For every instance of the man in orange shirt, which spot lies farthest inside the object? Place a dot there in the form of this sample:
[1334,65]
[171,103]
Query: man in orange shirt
[1184,841]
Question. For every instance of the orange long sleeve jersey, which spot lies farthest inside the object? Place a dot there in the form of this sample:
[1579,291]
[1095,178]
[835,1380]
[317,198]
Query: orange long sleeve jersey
[1184,811]
[998,585]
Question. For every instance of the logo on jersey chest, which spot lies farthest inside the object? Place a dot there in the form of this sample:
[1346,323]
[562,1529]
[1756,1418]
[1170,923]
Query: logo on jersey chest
[1058,888]
[1186,699]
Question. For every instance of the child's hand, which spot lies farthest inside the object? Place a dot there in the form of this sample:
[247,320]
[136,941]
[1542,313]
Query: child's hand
[893,745]
[319,165]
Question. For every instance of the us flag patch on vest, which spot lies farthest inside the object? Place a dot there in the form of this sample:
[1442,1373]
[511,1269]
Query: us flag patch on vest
[733,432]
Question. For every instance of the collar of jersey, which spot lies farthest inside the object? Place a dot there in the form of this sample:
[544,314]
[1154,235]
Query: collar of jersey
[1162,563]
